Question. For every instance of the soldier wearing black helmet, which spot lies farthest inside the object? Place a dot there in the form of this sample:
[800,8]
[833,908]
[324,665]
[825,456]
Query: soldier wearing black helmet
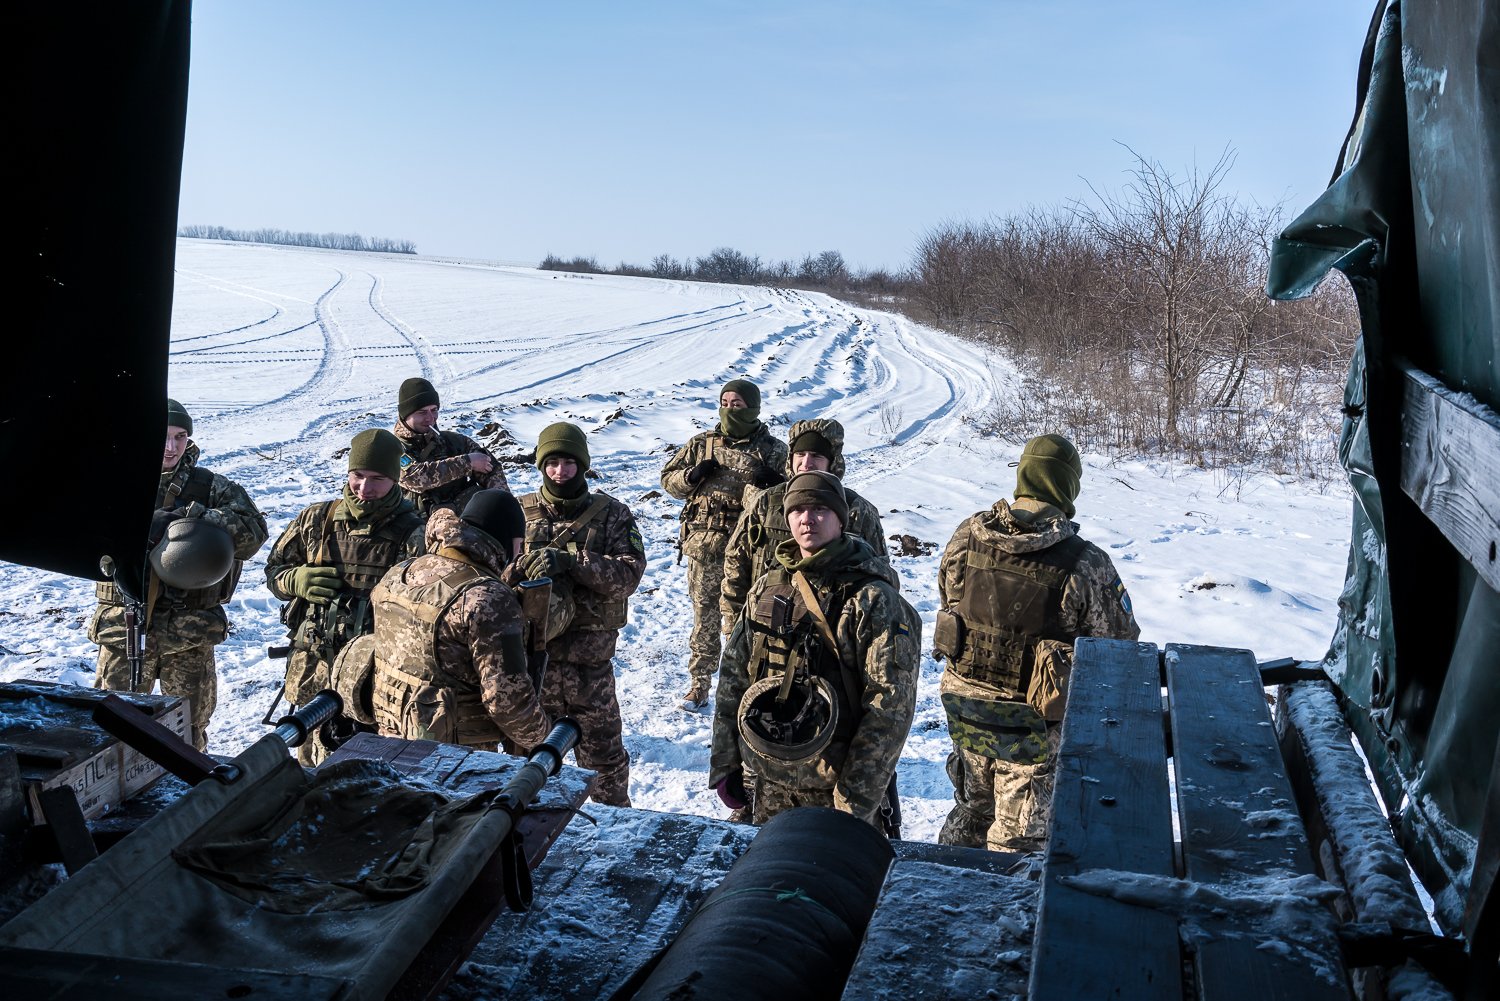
[330,558]
[193,576]
[818,682]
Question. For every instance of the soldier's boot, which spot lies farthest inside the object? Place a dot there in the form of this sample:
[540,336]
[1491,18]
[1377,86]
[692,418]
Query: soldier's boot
[740,816]
[696,696]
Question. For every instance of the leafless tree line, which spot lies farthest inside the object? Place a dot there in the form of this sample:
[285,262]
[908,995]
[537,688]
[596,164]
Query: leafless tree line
[825,271]
[327,241]
[1141,321]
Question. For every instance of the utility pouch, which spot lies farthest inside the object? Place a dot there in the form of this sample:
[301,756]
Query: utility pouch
[432,714]
[1047,691]
[948,636]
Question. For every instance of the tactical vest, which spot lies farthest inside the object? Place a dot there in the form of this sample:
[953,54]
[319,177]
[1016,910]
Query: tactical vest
[593,612]
[361,561]
[414,695]
[717,501]
[784,637]
[179,493]
[445,445]
[1009,601]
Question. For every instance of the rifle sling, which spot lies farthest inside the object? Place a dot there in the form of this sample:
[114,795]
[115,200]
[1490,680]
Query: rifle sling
[815,608]
[564,538]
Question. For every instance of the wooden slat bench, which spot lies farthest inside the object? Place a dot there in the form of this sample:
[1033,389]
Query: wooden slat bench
[1124,912]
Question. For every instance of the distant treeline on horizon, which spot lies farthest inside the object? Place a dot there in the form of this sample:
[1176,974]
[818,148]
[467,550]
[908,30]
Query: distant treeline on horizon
[326,241]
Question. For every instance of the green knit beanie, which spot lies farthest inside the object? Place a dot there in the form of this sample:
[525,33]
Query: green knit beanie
[177,417]
[748,391]
[415,394]
[1050,471]
[378,451]
[564,439]
[817,488]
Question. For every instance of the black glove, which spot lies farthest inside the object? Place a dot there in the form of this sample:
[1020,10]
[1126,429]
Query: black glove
[547,563]
[159,522]
[702,470]
[768,477]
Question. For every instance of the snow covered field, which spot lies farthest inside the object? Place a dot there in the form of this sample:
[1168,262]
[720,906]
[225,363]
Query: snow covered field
[281,355]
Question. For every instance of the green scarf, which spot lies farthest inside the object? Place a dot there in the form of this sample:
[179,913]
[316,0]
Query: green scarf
[568,498]
[789,555]
[739,423]
[375,511]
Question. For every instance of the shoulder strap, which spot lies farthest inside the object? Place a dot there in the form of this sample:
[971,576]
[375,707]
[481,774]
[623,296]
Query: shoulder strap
[595,508]
[199,482]
[815,609]
[325,531]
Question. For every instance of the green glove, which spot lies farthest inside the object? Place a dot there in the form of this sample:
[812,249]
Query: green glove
[548,563]
[319,585]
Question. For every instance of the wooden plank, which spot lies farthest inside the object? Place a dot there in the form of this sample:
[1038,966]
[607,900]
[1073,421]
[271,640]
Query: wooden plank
[1241,833]
[1111,810]
[1450,465]
[75,845]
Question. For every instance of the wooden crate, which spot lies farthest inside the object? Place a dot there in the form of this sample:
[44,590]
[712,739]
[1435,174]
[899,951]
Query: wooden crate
[57,743]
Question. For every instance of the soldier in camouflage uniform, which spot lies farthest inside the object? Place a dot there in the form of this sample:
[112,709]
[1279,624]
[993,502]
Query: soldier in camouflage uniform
[751,550]
[586,542]
[849,765]
[711,473]
[450,660]
[329,559]
[1016,585]
[440,468]
[182,627]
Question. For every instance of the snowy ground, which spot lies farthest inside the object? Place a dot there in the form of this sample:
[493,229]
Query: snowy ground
[281,355]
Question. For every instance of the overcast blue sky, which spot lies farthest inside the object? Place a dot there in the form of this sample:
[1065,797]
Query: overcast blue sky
[627,129]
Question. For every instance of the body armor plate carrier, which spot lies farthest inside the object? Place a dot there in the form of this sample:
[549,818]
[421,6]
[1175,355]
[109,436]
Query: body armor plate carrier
[1009,602]
[414,696]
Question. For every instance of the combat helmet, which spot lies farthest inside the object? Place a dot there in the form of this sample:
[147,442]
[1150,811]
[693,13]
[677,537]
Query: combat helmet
[193,553]
[790,718]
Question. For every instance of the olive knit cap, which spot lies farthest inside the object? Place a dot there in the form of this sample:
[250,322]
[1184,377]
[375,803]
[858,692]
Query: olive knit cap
[377,450]
[748,391]
[1050,471]
[177,417]
[817,487]
[563,438]
[415,394]
[812,441]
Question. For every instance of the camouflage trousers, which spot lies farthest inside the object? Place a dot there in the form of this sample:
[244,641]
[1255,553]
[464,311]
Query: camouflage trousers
[705,578]
[306,676]
[1000,805]
[586,692]
[189,673]
[768,798]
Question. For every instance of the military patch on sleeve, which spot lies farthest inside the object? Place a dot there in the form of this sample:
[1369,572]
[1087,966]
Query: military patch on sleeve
[901,629]
[405,461]
[635,540]
[1123,595]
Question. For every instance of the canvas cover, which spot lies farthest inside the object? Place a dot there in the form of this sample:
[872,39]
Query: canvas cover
[1412,219]
[342,872]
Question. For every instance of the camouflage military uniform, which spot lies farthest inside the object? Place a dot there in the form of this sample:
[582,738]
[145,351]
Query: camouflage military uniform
[751,548]
[713,508]
[449,660]
[183,626]
[327,534]
[580,678]
[435,470]
[995,677]
[879,643]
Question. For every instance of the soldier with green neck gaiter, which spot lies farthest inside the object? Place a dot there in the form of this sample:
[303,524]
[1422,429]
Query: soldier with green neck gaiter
[331,557]
[714,472]
[586,542]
